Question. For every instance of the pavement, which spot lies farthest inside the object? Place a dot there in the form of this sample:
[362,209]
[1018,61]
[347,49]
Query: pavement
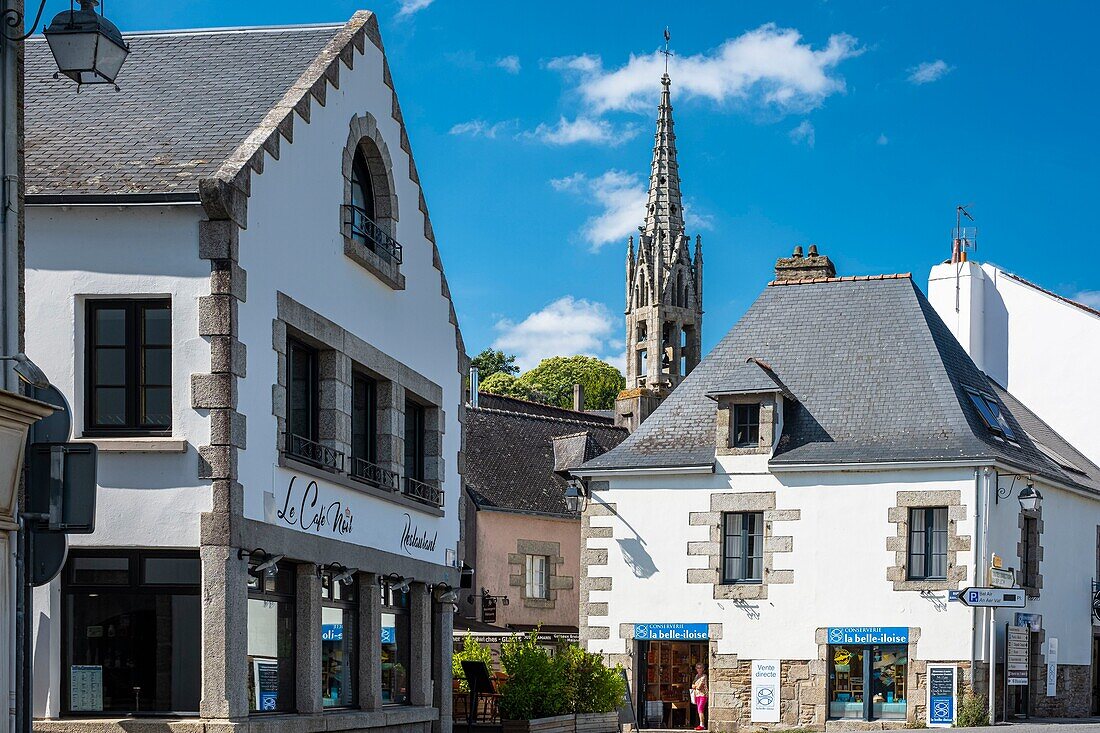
[1045,725]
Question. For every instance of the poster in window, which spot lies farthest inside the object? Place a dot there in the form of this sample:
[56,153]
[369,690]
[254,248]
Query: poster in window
[266,672]
[86,688]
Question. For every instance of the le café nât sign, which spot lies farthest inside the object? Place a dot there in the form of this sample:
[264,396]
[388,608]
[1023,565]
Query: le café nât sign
[317,507]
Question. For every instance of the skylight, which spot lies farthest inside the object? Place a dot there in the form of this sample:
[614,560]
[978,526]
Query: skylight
[991,413]
[1057,457]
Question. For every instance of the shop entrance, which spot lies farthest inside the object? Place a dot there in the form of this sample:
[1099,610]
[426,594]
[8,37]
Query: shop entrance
[666,674]
[868,682]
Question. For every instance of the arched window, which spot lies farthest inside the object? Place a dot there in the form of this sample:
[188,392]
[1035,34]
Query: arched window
[362,187]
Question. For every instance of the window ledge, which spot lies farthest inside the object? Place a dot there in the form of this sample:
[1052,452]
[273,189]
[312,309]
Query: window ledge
[339,479]
[381,267]
[137,445]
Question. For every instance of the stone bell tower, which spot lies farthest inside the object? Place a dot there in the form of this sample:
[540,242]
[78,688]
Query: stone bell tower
[664,287]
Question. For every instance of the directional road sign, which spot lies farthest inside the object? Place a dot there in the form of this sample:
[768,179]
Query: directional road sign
[999,578]
[992,597]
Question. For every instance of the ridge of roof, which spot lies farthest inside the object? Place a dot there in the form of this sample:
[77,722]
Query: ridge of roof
[1070,301]
[546,418]
[219,30]
[845,279]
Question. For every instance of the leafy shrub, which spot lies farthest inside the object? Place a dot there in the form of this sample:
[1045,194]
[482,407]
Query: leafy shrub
[471,651]
[972,711]
[537,686]
[592,686]
[916,724]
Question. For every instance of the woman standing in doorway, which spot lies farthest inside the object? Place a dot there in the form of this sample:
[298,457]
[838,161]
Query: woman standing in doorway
[699,694]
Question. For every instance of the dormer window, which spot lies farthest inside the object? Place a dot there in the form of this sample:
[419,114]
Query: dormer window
[991,413]
[746,425]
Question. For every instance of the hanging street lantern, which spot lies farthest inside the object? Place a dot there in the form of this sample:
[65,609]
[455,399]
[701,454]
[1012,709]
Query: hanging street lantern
[88,48]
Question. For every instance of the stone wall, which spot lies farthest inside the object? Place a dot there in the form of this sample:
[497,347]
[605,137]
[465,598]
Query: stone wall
[801,693]
[1074,698]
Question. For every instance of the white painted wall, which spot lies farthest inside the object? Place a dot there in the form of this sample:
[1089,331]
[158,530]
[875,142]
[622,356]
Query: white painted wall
[1044,350]
[143,500]
[78,253]
[839,560]
[293,244]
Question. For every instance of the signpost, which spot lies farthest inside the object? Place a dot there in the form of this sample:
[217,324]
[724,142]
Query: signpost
[999,578]
[992,598]
[1017,640]
[1033,621]
[943,683]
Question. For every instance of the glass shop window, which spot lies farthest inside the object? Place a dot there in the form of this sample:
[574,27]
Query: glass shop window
[271,638]
[339,617]
[868,682]
[396,639]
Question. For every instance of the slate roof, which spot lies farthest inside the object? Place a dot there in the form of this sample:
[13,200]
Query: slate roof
[875,374]
[510,456]
[747,378]
[188,99]
[512,404]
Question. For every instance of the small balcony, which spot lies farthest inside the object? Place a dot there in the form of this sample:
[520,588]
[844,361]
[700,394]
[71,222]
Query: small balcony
[312,452]
[366,231]
[423,492]
[373,474]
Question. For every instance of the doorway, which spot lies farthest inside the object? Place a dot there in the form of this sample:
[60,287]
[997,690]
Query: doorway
[1096,675]
[868,681]
[667,671]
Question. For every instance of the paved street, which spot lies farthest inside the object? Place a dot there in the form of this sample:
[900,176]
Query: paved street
[1061,725]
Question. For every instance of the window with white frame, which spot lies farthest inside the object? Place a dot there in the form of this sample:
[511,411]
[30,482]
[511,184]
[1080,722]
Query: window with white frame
[538,582]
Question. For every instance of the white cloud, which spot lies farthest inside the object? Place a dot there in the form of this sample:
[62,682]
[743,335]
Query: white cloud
[510,64]
[410,7]
[481,128]
[770,66]
[621,197]
[1091,298]
[928,72]
[804,133]
[582,130]
[882,139]
[565,327]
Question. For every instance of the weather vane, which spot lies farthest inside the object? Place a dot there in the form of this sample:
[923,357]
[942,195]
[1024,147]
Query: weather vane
[666,52]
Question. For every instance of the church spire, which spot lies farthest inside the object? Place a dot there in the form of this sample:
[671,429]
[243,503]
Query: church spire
[664,219]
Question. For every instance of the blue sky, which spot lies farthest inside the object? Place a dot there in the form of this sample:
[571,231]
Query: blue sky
[858,127]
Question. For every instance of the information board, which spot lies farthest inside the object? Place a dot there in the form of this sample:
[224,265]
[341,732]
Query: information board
[765,690]
[86,688]
[1052,667]
[1017,653]
[942,692]
[266,674]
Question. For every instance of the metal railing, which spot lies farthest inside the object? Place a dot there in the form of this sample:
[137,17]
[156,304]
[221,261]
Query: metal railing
[423,492]
[365,230]
[374,474]
[313,452]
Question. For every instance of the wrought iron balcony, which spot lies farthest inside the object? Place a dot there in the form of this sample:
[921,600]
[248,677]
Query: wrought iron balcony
[365,230]
[373,474]
[310,451]
[423,492]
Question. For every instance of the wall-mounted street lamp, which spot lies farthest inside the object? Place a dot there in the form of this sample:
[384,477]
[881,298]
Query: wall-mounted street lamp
[88,48]
[576,495]
[340,573]
[445,593]
[397,583]
[1031,500]
[266,563]
[28,371]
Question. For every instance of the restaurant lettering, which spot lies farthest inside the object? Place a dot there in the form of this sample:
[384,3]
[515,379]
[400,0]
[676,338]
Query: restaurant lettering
[412,538]
[309,512]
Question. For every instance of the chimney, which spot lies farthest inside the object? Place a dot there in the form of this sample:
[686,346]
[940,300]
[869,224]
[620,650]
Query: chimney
[578,398]
[799,267]
[475,385]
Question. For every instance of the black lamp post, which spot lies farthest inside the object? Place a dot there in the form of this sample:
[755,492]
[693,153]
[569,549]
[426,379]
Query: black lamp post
[88,48]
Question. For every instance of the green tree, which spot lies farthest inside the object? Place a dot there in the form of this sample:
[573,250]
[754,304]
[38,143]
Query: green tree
[490,362]
[505,384]
[554,378]
[471,651]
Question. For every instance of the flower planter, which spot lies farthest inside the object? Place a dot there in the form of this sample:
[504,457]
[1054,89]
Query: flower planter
[598,722]
[556,724]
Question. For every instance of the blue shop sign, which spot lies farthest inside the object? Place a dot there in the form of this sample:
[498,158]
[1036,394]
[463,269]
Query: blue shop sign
[671,632]
[868,634]
[332,632]
[389,635]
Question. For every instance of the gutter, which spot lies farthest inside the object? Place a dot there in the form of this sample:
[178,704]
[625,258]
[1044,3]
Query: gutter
[642,471]
[190,198]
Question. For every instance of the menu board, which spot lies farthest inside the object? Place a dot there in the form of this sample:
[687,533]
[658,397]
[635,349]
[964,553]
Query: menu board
[86,688]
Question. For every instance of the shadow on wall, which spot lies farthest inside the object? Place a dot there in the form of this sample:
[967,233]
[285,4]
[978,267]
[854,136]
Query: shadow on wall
[636,557]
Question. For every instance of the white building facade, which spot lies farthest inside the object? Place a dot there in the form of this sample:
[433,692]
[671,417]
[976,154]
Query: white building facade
[243,302]
[797,514]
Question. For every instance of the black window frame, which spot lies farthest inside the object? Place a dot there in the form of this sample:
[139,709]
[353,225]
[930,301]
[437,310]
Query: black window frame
[755,574]
[297,349]
[350,602]
[257,590]
[924,524]
[364,441]
[362,179]
[745,415]
[135,585]
[1029,546]
[992,413]
[415,467]
[133,347]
